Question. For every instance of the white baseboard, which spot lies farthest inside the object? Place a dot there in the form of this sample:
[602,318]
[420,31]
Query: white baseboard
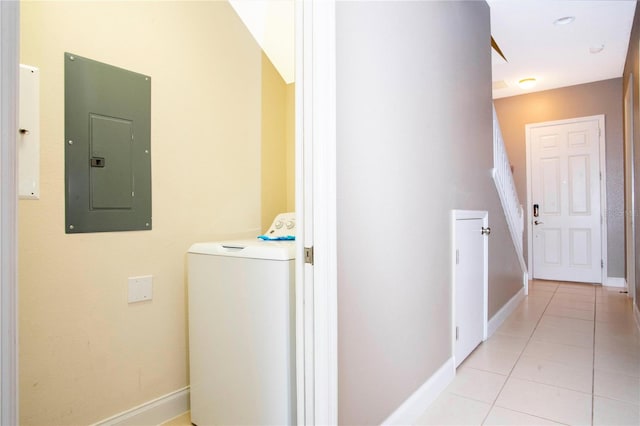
[616,282]
[504,312]
[414,406]
[152,413]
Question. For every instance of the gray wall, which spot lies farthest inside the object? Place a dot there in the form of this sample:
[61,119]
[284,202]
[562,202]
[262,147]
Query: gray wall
[632,67]
[602,97]
[414,131]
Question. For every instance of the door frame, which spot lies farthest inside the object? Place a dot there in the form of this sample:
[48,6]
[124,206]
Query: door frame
[316,282]
[603,187]
[466,215]
[9,64]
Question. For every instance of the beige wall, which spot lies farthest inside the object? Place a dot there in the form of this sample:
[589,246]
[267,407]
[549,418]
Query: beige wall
[85,354]
[414,140]
[290,135]
[632,69]
[602,97]
[274,143]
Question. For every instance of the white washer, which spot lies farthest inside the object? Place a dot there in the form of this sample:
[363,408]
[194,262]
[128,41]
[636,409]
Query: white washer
[242,332]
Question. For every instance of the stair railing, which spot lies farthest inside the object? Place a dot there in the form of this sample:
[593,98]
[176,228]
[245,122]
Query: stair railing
[503,178]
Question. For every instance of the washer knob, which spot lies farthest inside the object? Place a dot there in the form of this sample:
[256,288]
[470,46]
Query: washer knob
[290,224]
[279,224]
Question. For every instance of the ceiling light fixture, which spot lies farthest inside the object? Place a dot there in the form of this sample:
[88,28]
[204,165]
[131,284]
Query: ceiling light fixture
[564,20]
[527,83]
[596,48]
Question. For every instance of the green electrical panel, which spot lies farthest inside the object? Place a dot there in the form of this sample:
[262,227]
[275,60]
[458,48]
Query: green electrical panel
[107,147]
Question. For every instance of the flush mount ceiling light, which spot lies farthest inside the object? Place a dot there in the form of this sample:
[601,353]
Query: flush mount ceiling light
[527,83]
[564,20]
[597,48]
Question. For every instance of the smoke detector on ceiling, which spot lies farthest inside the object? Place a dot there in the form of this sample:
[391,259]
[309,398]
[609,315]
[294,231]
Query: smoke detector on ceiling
[597,48]
[565,20]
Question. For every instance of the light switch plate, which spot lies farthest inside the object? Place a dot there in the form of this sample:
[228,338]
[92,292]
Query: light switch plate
[29,136]
[140,288]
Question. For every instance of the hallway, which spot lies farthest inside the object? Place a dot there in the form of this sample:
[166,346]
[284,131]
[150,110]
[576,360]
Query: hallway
[569,354]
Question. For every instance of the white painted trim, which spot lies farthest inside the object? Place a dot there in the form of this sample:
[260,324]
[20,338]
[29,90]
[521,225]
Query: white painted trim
[462,215]
[603,198]
[413,407]
[616,282]
[603,186]
[9,71]
[304,354]
[527,207]
[503,179]
[316,205]
[154,412]
[496,321]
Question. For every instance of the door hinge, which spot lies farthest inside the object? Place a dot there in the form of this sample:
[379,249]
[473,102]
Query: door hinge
[457,332]
[601,263]
[308,255]
[457,256]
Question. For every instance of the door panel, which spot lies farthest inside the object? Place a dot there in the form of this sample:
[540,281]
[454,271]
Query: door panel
[565,182]
[579,244]
[469,286]
[579,199]
[551,185]
[552,243]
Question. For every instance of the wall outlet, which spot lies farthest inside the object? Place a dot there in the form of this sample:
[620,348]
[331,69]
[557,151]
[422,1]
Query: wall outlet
[140,288]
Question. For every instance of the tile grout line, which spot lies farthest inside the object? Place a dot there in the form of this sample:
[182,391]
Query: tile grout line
[493,404]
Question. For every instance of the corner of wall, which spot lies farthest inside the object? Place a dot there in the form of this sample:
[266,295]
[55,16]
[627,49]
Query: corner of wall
[414,406]
[154,412]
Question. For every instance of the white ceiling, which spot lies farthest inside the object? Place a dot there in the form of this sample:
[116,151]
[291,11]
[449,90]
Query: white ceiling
[271,22]
[558,55]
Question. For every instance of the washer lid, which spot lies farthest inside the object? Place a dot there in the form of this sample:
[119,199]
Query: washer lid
[251,249]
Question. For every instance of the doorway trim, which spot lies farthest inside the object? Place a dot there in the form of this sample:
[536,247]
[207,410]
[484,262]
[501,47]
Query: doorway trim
[316,282]
[466,215]
[603,187]
[9,62]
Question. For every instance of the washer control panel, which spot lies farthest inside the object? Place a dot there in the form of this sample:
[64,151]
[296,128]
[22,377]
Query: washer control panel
[284,225]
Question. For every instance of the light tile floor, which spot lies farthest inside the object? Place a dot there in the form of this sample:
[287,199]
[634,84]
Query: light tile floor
[569,354]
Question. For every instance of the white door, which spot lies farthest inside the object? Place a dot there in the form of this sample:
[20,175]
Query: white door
[565,198]
[469,287]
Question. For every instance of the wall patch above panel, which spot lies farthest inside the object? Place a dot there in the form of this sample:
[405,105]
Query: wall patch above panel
[107,147]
